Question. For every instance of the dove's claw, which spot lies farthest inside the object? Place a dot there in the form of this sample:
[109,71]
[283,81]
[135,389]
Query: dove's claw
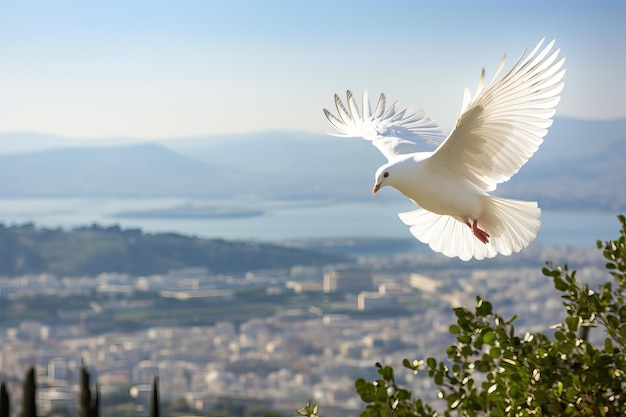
[479,233]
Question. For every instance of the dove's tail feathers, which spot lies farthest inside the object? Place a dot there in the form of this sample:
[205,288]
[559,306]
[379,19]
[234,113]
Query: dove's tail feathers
[446,234]
[393,121]
[511,225]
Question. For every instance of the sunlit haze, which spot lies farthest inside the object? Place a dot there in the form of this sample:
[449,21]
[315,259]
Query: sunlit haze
[157,69]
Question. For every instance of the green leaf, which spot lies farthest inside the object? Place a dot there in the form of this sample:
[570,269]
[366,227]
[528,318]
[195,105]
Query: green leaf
[489,337]
[573,323]
[559,284]
[495,352]
[365,390]
[403,395]
[381,395]
[438,378]
[455,403]
[496,412]
[484,308]
[454,329]
[386,373]
[604,359]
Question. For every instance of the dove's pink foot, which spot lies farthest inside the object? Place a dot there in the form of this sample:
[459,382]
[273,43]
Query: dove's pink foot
[479,233]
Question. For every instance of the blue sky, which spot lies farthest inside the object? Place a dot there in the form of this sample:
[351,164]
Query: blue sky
[157,69]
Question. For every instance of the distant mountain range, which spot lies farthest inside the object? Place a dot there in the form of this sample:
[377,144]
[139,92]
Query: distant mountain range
[144,170]
[580,165]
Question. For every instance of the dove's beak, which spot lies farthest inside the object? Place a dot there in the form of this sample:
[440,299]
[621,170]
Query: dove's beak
[375,189]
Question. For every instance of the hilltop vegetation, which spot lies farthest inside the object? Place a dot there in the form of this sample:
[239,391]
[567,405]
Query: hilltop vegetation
[91,250]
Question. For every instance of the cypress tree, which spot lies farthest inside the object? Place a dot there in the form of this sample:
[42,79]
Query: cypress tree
[5,410]
[84,407]
[95,404]
[29,404]
[154,400]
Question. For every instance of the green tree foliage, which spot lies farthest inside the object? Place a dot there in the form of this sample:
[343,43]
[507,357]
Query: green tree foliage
[29,404]
[154,398]
[95,403]
[85,394]
[491,370]
[5,409]
[90,250]
[89,405]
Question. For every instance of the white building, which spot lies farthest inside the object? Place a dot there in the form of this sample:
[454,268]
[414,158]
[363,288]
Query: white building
[353,281]
[367,301]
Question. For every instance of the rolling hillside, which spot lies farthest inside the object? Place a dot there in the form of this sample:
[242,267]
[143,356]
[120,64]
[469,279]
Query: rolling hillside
[90,250]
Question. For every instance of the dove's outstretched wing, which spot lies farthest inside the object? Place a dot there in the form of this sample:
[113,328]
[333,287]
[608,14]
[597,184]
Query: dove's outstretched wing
[504,124]
[393,131]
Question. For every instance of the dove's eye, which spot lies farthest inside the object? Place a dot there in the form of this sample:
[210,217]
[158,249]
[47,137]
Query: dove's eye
[385,174]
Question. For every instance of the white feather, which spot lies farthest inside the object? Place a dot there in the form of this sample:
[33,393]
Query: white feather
[498,130]
[512,225]
[392,130]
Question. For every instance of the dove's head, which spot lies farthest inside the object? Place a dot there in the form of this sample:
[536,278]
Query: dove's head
[395,173]
[384,176]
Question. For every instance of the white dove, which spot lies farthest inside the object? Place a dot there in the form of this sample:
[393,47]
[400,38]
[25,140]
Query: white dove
[496,133]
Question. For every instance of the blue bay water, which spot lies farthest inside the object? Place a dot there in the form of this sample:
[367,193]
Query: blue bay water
[281,220]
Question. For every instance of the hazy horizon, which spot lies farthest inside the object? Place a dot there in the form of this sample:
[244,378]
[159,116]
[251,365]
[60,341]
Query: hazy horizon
[285,165]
